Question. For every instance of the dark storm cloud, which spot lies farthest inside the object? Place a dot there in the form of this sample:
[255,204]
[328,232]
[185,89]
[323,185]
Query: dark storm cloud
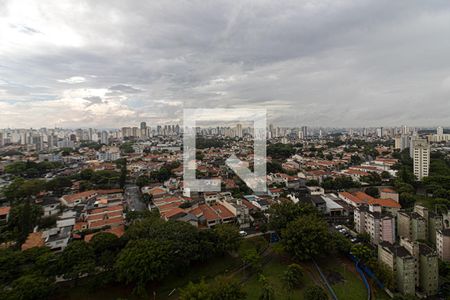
[328,63]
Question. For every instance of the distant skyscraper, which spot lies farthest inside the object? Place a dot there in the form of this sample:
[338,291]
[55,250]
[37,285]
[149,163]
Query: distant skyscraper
[421,157]
[405,129]
[143,125]
[239,132]
[402,142]
[104,137]
[135,132]
[305,131]
[440,131]
[51,141]
[364,131]
[380,132]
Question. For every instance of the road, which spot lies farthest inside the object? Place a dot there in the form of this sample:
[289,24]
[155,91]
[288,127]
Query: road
[132,198]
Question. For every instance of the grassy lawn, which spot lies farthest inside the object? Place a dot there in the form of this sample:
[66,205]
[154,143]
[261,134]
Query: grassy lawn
[273,271]
[343,278]
[216,267]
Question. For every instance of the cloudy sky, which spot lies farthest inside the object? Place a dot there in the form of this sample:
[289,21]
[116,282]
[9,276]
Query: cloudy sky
[107,63]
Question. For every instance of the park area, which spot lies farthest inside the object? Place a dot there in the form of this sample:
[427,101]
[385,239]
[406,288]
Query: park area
[339,271]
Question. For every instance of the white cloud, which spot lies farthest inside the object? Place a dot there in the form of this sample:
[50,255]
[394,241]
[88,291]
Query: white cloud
[330,63]
[73,80]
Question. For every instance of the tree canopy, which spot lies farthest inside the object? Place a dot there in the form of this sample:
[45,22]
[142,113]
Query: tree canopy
[306,237]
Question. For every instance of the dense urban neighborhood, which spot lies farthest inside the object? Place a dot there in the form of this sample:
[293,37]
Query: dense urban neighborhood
[104,214]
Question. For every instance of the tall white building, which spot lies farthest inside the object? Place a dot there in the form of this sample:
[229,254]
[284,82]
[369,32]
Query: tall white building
[305,131]
[405,129]
[380,132]
[440,130]
[421,157]
[402,142]
[104,137]
[239,132]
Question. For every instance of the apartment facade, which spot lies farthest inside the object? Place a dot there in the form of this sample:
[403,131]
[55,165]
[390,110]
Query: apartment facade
[401,263]
[412,225]
[379,225]
[414,266]
[443,243]
[421,157]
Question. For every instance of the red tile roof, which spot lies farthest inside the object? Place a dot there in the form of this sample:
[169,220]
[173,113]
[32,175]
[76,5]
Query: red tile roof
[4,210]
[117,231]
[106,209]
[173,212]
[101,223]
[361,197]
[350,197]
[34,239]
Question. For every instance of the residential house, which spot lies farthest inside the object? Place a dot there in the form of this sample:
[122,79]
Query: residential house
[4,214]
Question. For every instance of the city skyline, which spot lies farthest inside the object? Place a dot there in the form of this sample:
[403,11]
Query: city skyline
[327,63]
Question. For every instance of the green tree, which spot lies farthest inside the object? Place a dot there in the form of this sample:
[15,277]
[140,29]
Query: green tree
[372,191]
[315,293]
[127,148]
[228,237]
[286,211]
[362,252]
[30,287]
[267,292]
[86,174]
[307,237]
[77,259]
[106,247]
[181,237]
[142,261]
[123,172]
[292,277]
[220,289]
[142,181]
[199,291]
[23,218]
[385,175]
[225,289]
[58,184]
[341,243]
[407,200]
[252,258]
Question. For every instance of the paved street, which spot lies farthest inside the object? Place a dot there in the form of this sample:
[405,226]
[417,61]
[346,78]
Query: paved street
[132,198]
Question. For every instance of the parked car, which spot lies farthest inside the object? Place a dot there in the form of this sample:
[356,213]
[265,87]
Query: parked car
[242,233]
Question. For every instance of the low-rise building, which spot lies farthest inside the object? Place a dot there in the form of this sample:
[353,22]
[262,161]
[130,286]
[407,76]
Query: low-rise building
[50,205]
[4,214]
